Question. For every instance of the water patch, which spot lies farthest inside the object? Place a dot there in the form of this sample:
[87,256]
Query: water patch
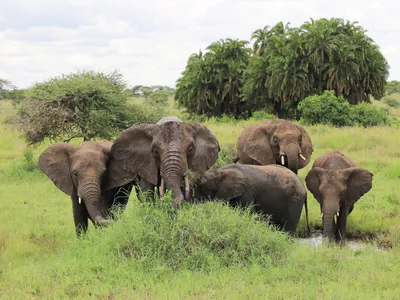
[316,241]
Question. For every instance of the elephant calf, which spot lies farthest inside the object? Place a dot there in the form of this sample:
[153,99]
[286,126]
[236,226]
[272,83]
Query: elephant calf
[81,172]
[337,183]
[273,190]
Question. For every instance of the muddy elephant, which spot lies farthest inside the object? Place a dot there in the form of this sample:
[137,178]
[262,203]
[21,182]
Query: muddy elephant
[337,183]
[274,142]
[272,190]
[162,155]
[81,172]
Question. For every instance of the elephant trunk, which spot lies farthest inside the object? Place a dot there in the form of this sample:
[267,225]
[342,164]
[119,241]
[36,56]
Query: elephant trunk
[330,209]
[172,174]
[291,151]
[91,195]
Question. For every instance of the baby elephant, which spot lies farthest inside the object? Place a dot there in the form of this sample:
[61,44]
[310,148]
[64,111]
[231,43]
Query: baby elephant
[273,190]
[337,183]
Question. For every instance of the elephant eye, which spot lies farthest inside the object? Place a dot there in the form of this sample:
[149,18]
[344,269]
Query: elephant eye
[275,140]
[75,173]
[190,149]
[300,139]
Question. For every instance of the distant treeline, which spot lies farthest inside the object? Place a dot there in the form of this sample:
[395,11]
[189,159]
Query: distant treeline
[284,65]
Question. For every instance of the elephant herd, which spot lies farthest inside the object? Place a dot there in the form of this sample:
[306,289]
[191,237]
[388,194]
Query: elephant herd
[99,176]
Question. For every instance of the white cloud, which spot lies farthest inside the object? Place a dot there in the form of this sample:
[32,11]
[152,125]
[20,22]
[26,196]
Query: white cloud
[150,41]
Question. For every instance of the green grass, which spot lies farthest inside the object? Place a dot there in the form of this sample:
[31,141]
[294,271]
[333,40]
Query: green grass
[205,250]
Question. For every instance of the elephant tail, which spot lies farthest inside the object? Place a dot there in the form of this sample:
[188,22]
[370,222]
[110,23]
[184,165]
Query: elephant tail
[236,159]
[306,209]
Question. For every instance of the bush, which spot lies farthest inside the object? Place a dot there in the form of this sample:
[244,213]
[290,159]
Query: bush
[392,101]
[325,109]
[260,115]
[199,237]
[367,115]
[336,111]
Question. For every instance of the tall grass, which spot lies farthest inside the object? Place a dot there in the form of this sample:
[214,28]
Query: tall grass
[205,250]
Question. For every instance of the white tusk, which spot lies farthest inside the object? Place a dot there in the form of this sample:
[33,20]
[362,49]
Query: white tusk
[162,187]
[187,188]
[283,160]
[302,157]
[337,214]
[79,200]
[322,215]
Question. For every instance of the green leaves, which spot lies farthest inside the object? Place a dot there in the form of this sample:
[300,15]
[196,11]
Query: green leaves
[212,82]
[85,104]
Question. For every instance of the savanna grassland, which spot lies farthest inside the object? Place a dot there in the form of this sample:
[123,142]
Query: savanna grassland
[207,250]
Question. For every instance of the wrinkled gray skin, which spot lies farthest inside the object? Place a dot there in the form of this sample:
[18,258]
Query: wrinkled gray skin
[163,154]
[273,190]
[80,172]
[274,142]
[337,183]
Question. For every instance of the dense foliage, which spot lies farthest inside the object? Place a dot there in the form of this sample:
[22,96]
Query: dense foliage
[287,65]
[211,83]
[84,105]
[336,111]
[392,87]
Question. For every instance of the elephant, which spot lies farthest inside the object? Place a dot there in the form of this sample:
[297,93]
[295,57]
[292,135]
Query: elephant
[272,190]
[81,172]
[169,119]
[337,183]
[274,142]
[162,154]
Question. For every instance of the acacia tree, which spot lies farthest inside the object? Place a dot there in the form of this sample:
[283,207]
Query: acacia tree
[84,105]
[211,83]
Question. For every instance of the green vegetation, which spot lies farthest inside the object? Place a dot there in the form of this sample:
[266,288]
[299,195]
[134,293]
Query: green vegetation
[211,83]
[287,65]
[204,251]
[336,111]
[84,105]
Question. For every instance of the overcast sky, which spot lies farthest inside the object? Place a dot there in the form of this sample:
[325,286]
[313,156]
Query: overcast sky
[150,41]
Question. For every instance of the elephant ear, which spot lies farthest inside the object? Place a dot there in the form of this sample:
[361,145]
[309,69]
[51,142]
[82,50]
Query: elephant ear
[207,148]
[106,146]
[359,182]
[132,154]
[313,182]
[231,183]
[55,163]
[257,145]
[306,147]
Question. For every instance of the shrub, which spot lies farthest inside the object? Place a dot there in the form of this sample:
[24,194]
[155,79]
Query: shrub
[198,237]
[392,101]
[367,115]
[260,115]
[325,109]
[332,110]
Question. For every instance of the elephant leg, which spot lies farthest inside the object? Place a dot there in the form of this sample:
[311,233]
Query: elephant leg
[81,216]
[341,224]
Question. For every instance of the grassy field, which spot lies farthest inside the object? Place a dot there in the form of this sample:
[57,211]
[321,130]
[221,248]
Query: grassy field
[206,251]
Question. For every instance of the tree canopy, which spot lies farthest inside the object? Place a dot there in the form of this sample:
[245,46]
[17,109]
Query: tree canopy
[85,104]
[211,83]
[286,65]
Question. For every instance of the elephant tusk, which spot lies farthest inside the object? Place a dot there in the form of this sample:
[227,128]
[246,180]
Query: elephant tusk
[187,187]
[283,160]
[79,200]
[322,215]
[302,157]
[162,187]
[337,214]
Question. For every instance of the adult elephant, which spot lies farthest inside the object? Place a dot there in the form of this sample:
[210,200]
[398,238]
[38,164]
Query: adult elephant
[337,183]
[81,172]
[274,142]
[162,154]
[272,190]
